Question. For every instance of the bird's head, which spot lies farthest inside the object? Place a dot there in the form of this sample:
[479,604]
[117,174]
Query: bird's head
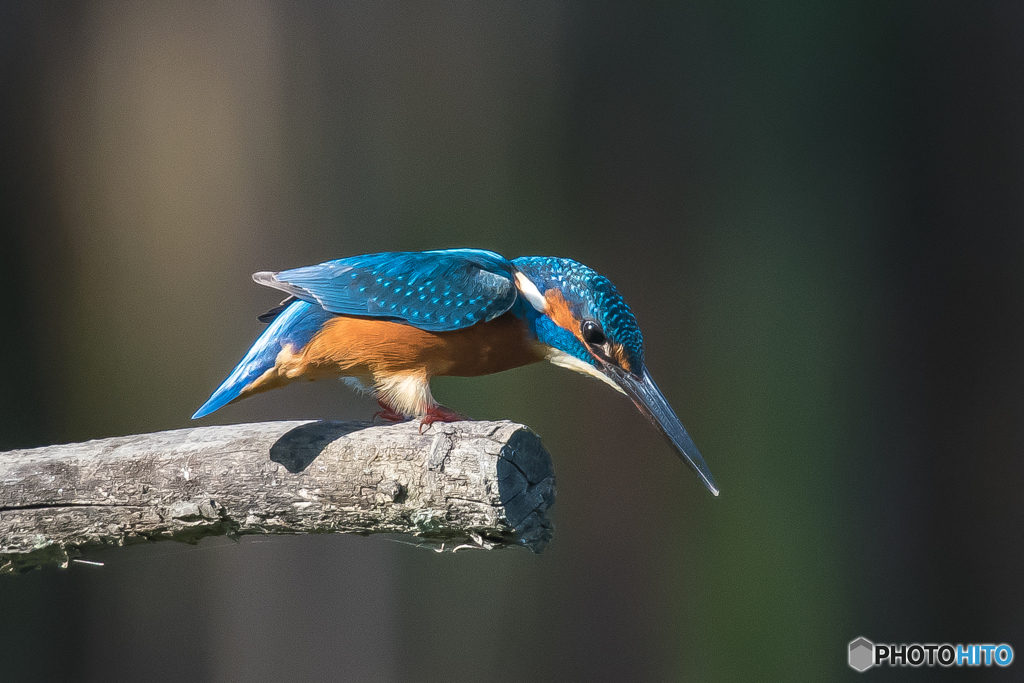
[586,326]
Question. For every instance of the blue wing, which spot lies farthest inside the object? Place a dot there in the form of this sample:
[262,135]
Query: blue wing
[432,290]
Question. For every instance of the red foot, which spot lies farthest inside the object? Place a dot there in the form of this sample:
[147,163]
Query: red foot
[438,413]
[389,414]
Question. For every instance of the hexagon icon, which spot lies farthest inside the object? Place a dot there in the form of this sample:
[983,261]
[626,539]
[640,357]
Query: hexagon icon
[862,654]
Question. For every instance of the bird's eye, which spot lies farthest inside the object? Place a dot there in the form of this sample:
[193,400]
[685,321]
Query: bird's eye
[592,333]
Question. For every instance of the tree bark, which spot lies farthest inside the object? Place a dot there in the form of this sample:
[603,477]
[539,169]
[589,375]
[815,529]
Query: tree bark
[485,484]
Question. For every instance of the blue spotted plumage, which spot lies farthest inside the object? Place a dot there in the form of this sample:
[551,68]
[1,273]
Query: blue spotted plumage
[389,322]
[434,290]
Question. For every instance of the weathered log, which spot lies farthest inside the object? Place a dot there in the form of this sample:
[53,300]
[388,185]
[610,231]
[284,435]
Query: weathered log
[486,484]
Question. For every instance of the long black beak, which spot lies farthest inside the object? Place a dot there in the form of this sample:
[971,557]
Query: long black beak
[651,402]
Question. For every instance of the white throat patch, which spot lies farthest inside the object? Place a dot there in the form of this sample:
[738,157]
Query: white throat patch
[565,360]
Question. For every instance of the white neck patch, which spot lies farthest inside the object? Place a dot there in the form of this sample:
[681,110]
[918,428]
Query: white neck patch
[530,292]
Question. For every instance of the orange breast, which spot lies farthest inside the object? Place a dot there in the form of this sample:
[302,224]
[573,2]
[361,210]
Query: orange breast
[364,346]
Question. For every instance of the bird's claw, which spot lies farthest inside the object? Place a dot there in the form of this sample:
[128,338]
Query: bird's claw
[389,414]
[440,414]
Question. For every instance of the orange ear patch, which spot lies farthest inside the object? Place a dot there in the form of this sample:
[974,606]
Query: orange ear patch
[559,312]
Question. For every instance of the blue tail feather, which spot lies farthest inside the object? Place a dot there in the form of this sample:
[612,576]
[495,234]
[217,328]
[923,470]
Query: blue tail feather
[296,325]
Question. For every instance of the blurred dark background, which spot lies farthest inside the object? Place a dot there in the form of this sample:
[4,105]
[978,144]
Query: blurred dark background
[815,210]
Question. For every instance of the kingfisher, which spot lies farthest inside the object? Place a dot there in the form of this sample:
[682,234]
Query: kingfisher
[387,323]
